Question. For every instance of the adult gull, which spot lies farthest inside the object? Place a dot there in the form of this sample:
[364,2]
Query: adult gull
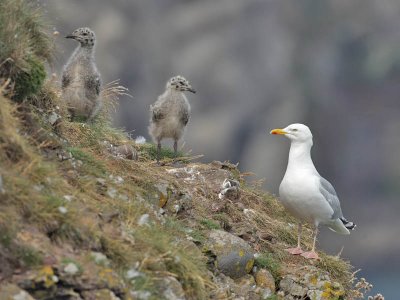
[306,194]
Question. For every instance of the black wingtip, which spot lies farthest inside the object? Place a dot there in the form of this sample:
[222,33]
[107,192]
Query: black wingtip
[349,225]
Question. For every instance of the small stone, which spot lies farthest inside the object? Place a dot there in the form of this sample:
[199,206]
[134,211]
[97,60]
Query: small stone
[140,140]
[126,151]
[111,192]
[170,288]
[140,295]
[53,118]
[38,187]
[68,198]
[2,191]
[101,294]
[9,291]
[71,269]
[22,295]
[62,209]
[133,273]
[144,220]
[100,258]
[230,189]
[119,180]
[264,279]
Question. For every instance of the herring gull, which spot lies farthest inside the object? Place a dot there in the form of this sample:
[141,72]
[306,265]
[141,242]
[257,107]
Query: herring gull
[306,194]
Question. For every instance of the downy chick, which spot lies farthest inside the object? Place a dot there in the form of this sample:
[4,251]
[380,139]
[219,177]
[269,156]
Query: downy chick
[81,80]
[170,114]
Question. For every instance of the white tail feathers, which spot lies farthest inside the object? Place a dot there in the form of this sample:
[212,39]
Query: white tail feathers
[339,227]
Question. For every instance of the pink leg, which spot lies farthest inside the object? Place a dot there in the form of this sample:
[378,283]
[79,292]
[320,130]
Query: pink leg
[312,254]
[297,250]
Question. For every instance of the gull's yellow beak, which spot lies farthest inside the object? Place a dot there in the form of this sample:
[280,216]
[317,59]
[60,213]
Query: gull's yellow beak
[278,131]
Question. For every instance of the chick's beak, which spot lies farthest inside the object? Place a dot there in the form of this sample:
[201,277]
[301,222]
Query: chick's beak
[69,36]
[192,90]
[278,131]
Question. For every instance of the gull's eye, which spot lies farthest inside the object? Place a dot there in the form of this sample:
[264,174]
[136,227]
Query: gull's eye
[294,129]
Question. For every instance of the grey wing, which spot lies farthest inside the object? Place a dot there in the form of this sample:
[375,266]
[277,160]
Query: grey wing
[185,116]
[93,83]
[156,113]
[65,80]
[330,195]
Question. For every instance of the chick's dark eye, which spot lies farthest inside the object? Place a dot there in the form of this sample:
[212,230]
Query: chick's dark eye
[181,82]
[85,33]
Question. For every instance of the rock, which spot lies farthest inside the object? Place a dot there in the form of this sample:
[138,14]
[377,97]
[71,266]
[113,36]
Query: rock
[170,288]
[309,282]
[103,294]
[68,198]
[133,273]
[10,291]
[234,257]
[140,140]
[53,118]
[241,289]
[264,279]
[245,285]
[125,151]
[62,209]
[143,220]
[71,269]
[100,258]
[2,191]
[69,294]
[230,189]
[112,192]
[140,295]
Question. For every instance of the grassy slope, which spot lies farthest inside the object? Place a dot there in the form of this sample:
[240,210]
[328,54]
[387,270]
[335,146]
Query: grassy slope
[48,168]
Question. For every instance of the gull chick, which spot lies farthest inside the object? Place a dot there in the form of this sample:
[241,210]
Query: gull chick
[306,194]
[170,114]
[80,78]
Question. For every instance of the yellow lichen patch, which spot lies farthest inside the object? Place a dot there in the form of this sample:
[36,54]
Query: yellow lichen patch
[330,293]
[241,253]
[249,265]
[109,277]
[162,201]
[46,275]
[314,280]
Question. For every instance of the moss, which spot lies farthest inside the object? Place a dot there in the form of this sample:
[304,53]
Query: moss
[6,235]
[29,82]
[24,46]
[150,151]
[271,263]
[90,164]
[29,256]
[210,224]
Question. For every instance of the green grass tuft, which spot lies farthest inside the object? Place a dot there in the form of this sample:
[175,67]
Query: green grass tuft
[271,263]
[90,164]
[210,224]
[150,150]
[24,46]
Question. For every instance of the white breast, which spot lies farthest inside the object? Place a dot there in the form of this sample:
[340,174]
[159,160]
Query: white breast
[299,193]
